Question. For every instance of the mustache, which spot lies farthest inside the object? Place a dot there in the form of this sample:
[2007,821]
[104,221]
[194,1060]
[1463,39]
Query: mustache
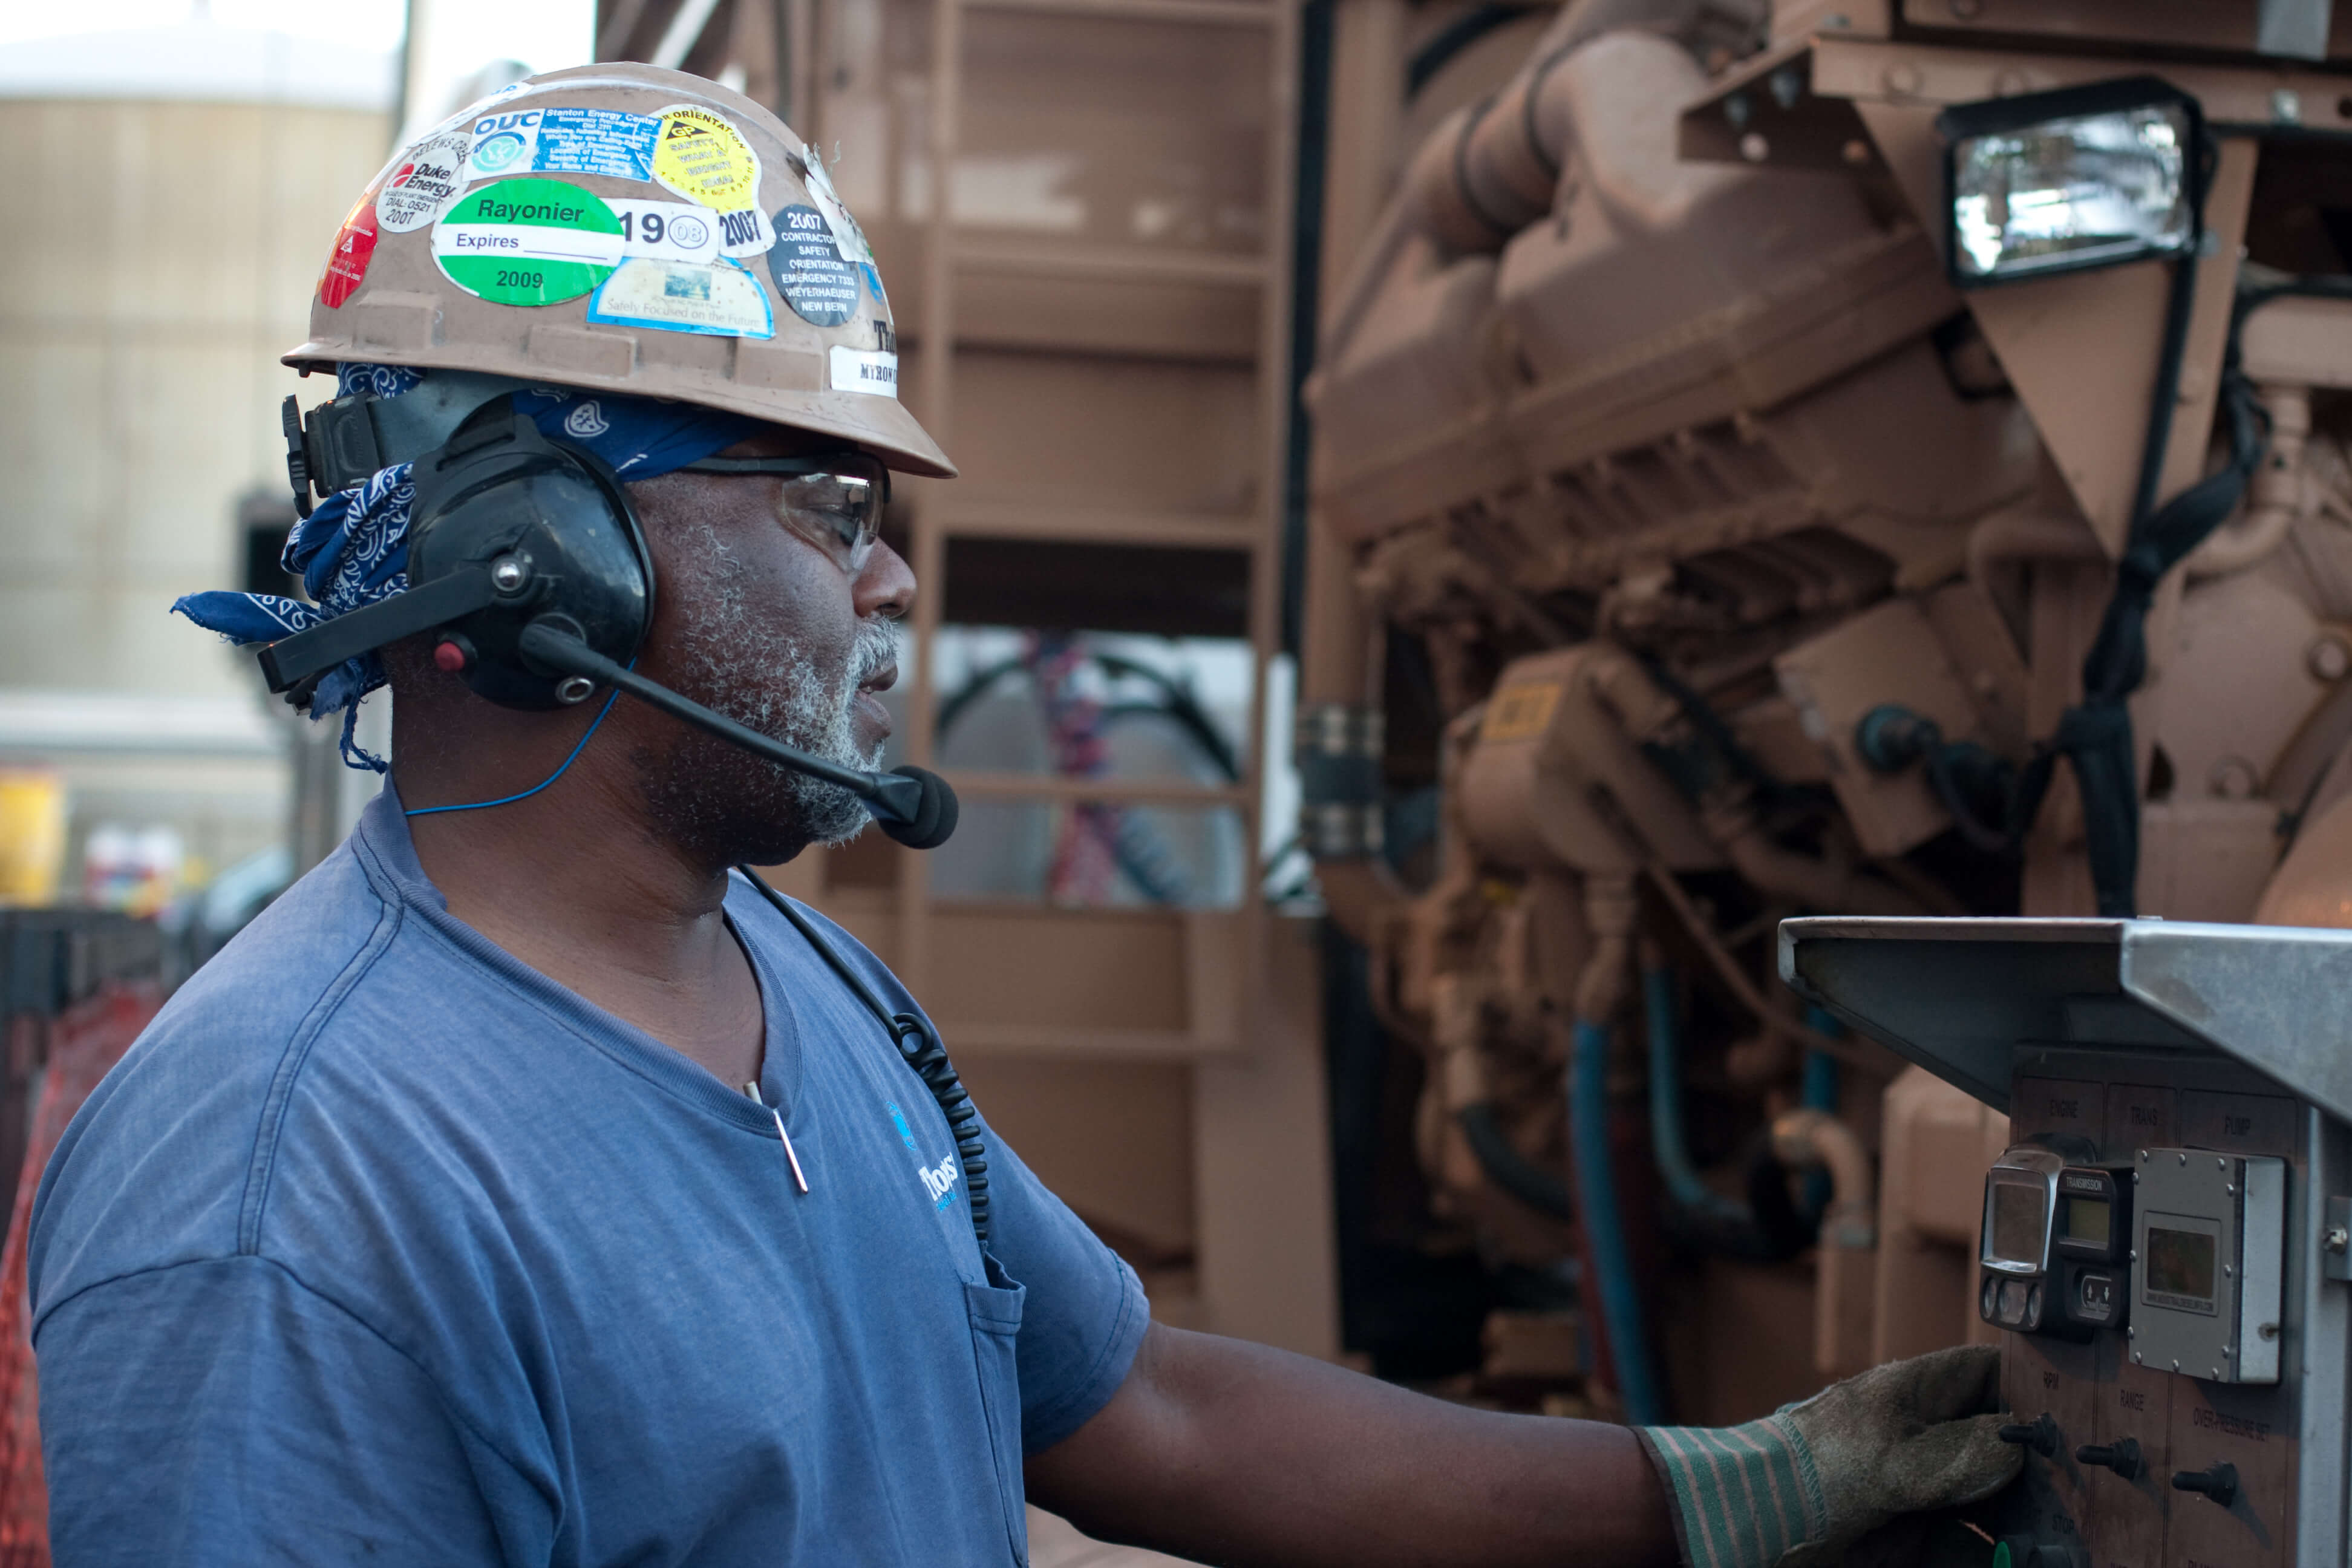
[876,649]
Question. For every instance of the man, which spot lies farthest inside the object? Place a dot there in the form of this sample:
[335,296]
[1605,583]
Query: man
[524,1187]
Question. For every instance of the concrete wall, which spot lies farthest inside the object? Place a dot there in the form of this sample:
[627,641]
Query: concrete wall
[157,256]
[158,259]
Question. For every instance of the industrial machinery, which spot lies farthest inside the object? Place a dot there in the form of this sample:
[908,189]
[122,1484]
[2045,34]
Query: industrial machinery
[2164,1244]
[1880,458]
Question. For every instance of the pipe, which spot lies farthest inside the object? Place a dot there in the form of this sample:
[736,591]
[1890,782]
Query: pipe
[1809,1137]
[1604,1225]
[1845,1266]
[1510,1171]
[2028,534]
[1819,1091]
[1338,674]
[2281,494]
[1800,879]
[1609,909]
[1728,969]
[1667,1145]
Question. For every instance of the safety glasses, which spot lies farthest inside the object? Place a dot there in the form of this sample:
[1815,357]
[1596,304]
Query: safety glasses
[833,500]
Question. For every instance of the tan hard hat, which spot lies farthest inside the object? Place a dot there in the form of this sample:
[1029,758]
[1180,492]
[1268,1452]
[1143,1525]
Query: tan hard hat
[620,228]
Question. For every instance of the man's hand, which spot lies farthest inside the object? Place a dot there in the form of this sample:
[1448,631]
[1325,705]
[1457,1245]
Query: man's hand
[1803,1484]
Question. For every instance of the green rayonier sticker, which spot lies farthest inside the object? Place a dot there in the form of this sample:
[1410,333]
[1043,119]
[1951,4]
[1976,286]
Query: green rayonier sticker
[528,242]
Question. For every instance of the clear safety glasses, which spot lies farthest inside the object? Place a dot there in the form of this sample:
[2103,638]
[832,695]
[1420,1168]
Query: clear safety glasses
[833,500]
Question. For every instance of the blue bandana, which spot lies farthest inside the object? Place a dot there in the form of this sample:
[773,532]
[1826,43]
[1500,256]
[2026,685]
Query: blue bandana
[353,550]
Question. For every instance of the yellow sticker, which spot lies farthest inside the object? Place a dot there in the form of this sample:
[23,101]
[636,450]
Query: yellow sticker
[702,157]
[1515,712]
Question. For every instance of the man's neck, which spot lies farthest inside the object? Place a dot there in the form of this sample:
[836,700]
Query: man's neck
[576,883]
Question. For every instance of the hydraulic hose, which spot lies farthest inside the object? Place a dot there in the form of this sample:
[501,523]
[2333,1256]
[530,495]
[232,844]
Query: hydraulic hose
[1509,1170]
[1672,1151]
[1603,1222]
[1820,1092]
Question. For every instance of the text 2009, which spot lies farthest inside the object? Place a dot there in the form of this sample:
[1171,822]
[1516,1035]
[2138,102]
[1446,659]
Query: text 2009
[513,280]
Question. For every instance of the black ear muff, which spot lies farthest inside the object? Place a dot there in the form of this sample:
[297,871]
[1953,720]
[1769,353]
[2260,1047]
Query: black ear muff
[553,530]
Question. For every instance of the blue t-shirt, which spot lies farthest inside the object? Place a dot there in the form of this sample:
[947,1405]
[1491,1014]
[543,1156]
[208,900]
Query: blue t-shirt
[380,1246]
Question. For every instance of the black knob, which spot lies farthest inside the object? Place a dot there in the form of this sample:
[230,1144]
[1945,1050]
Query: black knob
[2218,1481]
[2121,1457]
[2041,1434]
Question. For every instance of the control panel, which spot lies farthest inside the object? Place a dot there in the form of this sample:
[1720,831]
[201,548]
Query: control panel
[2134,1250]
[2165,1248]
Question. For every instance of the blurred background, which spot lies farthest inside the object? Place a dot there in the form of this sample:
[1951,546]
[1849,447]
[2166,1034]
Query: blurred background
[1471,511]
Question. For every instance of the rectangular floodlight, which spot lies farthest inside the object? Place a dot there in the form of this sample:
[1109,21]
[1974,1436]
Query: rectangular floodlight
[2066,181]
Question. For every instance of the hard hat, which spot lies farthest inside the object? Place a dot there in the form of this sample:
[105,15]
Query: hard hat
[625,229]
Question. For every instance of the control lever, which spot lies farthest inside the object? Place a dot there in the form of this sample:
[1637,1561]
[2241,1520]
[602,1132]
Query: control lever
[2218,1481]
[2040,1435]
[2121,1457]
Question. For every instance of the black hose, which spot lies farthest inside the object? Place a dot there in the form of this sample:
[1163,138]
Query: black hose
[1544,1191]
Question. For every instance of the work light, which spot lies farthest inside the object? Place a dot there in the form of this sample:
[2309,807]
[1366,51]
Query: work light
[2064,181]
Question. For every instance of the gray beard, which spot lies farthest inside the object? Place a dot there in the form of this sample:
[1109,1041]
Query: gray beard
[727,804]
[820,719]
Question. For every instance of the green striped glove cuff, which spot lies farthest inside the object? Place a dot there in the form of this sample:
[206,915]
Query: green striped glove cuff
[1744,1496]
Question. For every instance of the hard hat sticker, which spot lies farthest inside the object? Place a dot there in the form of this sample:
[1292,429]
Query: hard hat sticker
[702,157]
[528,242]
[426,176]
[809,166]
[686,231]
[854,369]
[666,231]
[347,263]
[563,141]
[819,286]
[720,300]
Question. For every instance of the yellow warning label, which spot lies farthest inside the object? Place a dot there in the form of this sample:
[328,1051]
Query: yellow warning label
[1515,712]
[702,157]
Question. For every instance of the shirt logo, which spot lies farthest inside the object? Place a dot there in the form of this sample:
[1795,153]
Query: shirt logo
[938,1180]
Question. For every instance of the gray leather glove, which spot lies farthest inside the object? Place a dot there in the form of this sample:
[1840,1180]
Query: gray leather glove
[1798,1488]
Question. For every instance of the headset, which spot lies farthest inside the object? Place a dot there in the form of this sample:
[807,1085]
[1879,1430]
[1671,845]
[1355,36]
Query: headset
[527,563]
[529,567]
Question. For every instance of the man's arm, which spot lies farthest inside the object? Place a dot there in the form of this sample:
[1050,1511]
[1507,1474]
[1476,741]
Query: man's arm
[1233,1453]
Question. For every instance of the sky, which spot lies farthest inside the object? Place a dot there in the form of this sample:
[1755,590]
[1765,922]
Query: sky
[360,24]
[460,36]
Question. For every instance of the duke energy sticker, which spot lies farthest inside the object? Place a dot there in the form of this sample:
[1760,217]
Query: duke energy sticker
[528,242]
[721,300]
[702,157]
[809,271]
[429,175]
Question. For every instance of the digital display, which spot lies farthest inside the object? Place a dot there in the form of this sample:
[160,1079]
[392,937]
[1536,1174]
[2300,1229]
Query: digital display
[2019,1223]
[2179,1263]
[2088,1219]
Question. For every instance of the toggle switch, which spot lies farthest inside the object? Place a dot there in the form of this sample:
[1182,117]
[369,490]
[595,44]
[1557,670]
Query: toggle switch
[2040,1435]
[2218,1481]
[2121,1457]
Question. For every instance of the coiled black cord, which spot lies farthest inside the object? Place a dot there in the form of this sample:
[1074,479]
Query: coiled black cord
[923,1053]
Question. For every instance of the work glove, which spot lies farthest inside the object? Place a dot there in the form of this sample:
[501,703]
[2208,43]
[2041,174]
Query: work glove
[1798,1488]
